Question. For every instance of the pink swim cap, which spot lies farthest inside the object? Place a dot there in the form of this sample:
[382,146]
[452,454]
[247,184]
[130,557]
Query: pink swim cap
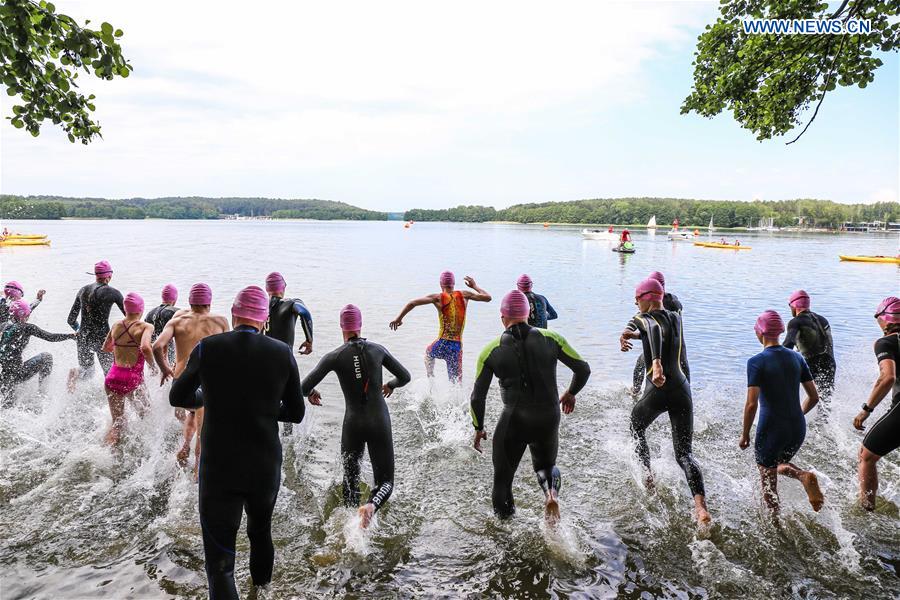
[200,295]
[170,294]
[769,325]
[524,283]
[19,310]
[275,283]
[799,299]
[889,310]
[447,279]
[649,287]
[14,290]
[658,277]
[515,305]
[251,303]
[134,304]
[102,268]
[351,318]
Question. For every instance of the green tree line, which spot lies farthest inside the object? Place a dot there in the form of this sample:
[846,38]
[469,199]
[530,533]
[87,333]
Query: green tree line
[55,207]
[692,213]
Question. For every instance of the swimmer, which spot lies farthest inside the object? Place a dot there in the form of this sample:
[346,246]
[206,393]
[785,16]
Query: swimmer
[774,377]
[283,313]
[670,302]
[187,328]
[668,389]
[162,314]
[451,306]
[524,361]
[358,365]
[884,436]
[540,310]
[241,467]
[129,342]
[811,334]
[14,338]
[93,302]
[13,291]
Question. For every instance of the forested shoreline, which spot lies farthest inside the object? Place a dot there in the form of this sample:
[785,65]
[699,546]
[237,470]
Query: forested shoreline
[691,213]
[616,211]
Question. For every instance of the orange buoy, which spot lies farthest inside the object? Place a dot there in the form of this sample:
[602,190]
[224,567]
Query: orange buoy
[546,224]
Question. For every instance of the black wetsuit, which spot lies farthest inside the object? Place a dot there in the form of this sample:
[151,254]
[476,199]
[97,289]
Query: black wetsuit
[283,313]
[4,308]
[158,317]
[661,336]
[524,360]
[670,302]
[250,382]
[539,310]
[884,435]
[94,301]
[14,337]
[811,333]
[367,423]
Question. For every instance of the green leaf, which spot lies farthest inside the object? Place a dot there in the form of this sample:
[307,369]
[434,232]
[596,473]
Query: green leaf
[106,28]
[17,123]
[119,33]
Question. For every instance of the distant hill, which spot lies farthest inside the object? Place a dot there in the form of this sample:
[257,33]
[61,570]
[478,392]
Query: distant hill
[58,207]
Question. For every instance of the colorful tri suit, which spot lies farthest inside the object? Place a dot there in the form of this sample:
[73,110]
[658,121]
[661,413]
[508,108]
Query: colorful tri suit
[448,345]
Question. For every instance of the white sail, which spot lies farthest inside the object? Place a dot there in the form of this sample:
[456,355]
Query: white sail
[711,224]
[651,224]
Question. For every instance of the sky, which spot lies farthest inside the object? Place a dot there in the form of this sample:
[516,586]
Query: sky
[399,105]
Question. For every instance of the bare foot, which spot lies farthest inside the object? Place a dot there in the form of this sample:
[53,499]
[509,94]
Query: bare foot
[182,456]
[703,517]
[71,380]
[867,502]
[112,437]
[196,471]
[813,491]
[366,512]
[551,509]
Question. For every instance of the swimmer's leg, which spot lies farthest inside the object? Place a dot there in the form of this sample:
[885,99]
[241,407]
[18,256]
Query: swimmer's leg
[645,411]
[190,427]
[140,400]
[507,452]
[808,479]
[543,458]
[455,364]
[85,358]
[198,418]
[681,416]
[220,517]
[429,359]
[381,453]
[40,365]
[117,412]
[352,446]
[260,506]
[769,479]
[868,477]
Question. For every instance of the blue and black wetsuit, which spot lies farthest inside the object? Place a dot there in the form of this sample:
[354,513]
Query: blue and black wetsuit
[670,302]
[811,334]
[662,338]
[250,383]
[781,429]
[524,360]
[158,317]
[367,422]
[283,313]
[94,302]
[14,337]
[884,435]
[540,310]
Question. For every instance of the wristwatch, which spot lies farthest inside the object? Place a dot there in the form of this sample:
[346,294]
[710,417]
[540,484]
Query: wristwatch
[866,408]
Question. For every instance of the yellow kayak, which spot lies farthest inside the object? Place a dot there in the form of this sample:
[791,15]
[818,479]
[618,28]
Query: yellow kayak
[39,242]
[875,259]
[22,236]
[723,246]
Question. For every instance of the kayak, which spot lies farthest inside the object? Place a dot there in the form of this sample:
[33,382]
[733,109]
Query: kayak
[722,246]
[22,236]
[875,259]
[599,234]
[623,250]
[39,242]
[680,235]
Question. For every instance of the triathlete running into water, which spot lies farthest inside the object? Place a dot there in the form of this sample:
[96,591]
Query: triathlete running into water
[524,361]
[774,377]
[162,314]
[94,303]
[187,328]
[367,422]
[250,383]
[884,436]
[283,313]
[129,341]
[14,337]
[539,311]
[670,302]
[13,291]
[811,334]
[668,389]
[451,306]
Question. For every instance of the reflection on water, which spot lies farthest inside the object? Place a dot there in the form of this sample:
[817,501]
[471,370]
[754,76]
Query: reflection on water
[80,521]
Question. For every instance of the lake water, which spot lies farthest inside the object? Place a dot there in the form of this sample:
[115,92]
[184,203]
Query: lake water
[79,521]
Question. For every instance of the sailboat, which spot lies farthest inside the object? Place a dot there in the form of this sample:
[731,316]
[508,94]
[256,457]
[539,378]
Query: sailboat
[711,228]
[651,224]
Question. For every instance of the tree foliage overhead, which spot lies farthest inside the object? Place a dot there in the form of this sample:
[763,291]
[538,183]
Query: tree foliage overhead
[41,54]
[692,213]
[768,81]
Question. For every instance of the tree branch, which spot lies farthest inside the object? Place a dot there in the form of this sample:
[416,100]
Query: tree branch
[824,90]
[840,9]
